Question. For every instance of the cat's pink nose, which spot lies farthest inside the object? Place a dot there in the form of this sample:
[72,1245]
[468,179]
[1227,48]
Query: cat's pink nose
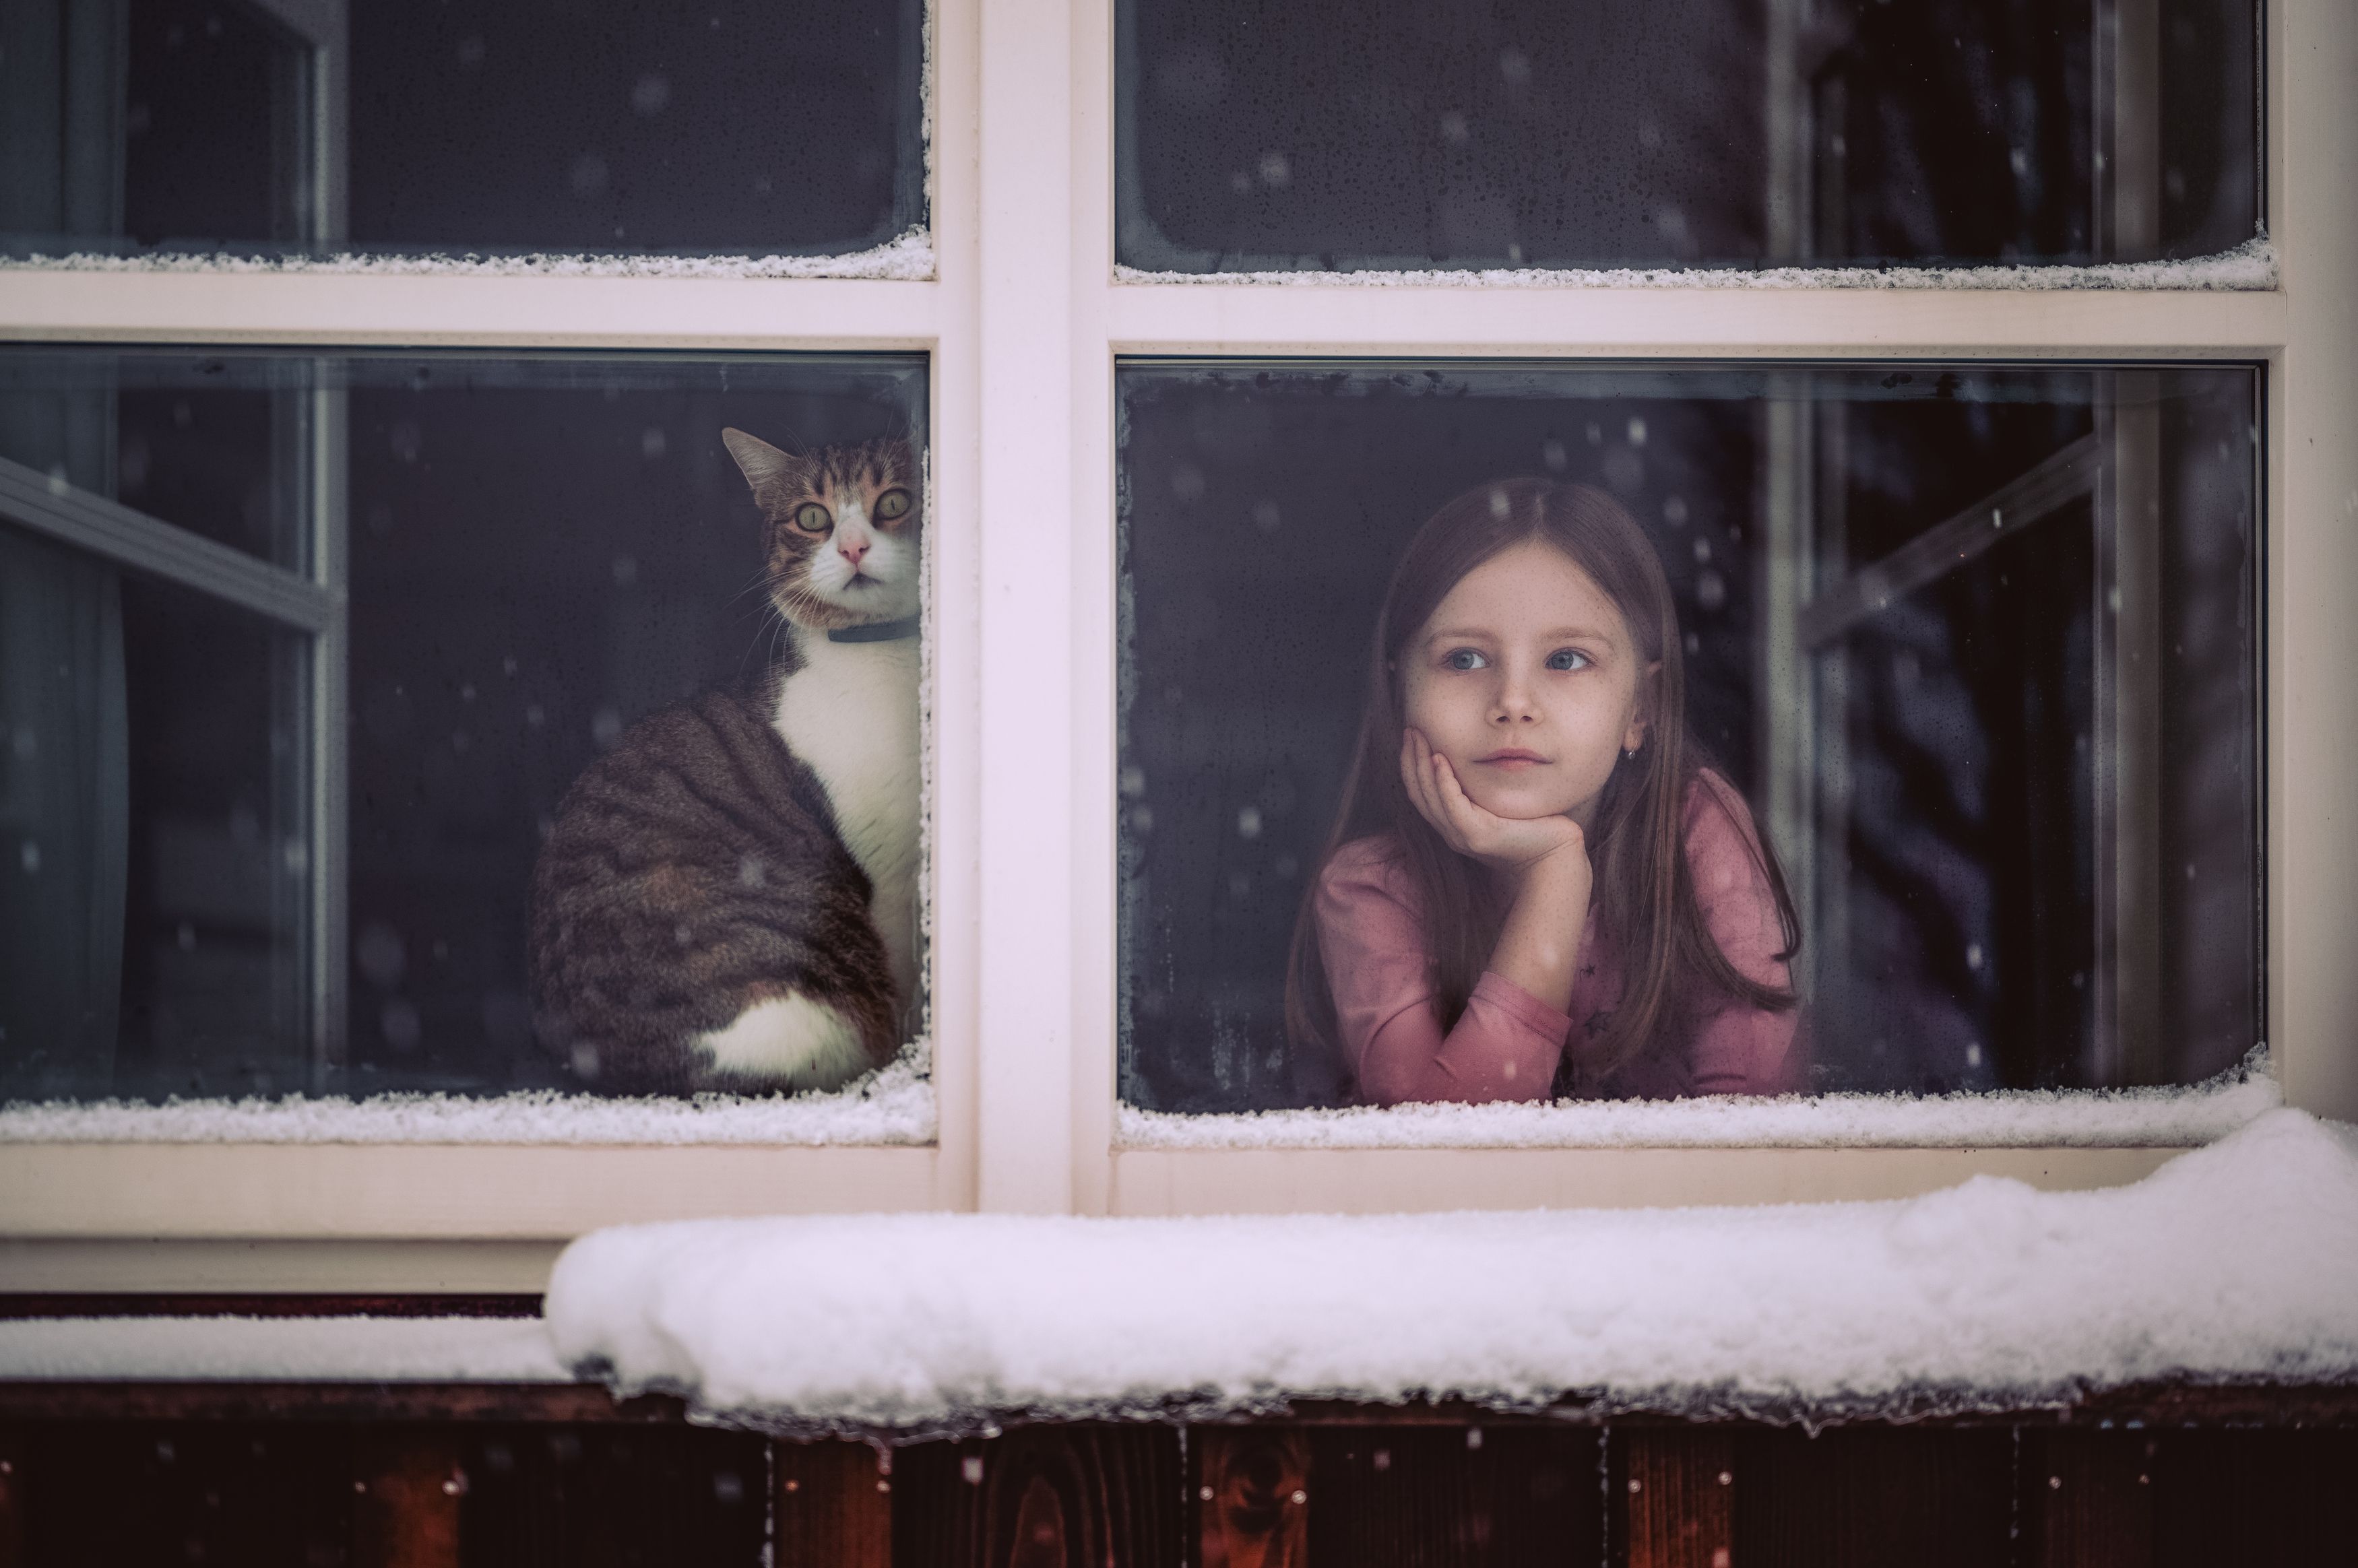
[852,553]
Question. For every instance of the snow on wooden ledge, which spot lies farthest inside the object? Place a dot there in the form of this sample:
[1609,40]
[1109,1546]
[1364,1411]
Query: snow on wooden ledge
[2235,1262]
[893,1105]
[2003,1118]
[279,1349]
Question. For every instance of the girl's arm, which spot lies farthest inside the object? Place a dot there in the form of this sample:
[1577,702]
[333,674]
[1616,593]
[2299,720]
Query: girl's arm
[1739,1049]
[1505,1044]
[1372,939]
[1543,861]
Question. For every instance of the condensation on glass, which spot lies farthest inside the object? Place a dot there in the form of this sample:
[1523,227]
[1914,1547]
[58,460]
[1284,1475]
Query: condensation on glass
[1981,646]
[309,126]
[298,655]
[1349,135]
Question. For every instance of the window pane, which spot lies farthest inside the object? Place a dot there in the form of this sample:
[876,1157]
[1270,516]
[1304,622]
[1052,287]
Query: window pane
[1714,133]
[312,125]
[536,554]
[158,847]
[1974,646]
[220,446]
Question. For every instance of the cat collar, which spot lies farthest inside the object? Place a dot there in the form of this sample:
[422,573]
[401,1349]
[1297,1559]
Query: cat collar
[876,631]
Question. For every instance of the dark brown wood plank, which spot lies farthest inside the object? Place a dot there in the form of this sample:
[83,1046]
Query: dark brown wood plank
[611,1496]
[11,1499]
[34,1402]
[2086,1499]
[1674,1491]
[2255,1499]
[832,1504]
[406,1482]
[109,1493]
[1252,1492]
[1421,1496]
[1937,1498]
[1070,1496]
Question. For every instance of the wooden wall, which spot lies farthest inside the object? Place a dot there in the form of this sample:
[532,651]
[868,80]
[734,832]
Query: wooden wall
[362,1483]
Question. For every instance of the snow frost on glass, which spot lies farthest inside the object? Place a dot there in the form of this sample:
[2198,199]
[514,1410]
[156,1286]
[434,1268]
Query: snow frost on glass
[1343,134]
[300,658]
[302,128]
[1979,646]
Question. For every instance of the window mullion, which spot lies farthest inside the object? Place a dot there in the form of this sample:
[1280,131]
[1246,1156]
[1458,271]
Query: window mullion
[2311,502]
[1517,321]
[1030,528]
[462,309]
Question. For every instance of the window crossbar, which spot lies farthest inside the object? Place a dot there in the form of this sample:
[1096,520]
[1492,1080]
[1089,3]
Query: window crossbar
[2038,494]
[48,504]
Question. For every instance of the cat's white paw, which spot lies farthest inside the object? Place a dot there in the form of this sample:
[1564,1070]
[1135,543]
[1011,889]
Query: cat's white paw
[791,1042]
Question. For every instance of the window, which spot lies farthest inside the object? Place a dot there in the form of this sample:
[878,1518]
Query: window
[1977,642]
[1339,137]
[322,128]
[285,760]
[1009,228]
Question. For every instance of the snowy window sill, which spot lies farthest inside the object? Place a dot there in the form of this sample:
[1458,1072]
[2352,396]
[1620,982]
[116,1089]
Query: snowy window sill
[908,258]
[2233,1265]
[893,1105]
[2251,266]
[2005,1119]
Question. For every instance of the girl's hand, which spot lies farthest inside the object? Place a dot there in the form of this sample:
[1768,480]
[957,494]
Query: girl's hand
[1511,846]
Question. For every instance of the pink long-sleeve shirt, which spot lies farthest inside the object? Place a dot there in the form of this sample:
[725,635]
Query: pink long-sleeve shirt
[1507,1043]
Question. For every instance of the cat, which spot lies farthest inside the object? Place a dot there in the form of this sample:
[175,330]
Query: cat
[728,899]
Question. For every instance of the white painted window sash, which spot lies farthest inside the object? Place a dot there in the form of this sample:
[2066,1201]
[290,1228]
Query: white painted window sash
[1025,322]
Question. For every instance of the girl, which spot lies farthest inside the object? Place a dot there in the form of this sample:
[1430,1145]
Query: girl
[1535,886]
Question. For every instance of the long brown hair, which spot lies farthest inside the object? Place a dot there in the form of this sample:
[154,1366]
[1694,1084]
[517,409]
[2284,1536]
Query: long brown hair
[1644,892]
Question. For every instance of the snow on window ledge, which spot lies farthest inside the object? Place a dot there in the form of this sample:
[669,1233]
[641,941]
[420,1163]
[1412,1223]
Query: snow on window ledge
[2004,1119]
[2250,266]
[281,1349]
[909,257]
[2234,1263]
[893,1105]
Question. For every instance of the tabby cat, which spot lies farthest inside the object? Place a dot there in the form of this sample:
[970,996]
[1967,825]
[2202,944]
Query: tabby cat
[729,897]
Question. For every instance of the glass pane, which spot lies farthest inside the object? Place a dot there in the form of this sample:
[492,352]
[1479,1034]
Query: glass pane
[1973,647]
[157,849]
[586,555]
[538,556]
[329,125]
[219,446]
[1704,133]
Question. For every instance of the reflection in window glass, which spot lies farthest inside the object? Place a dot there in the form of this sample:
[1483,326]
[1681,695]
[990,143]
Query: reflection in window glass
[1973,650]
[1639,132]
[310,125]
[410,723]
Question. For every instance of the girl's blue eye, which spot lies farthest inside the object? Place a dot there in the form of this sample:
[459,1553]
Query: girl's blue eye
[1464,659]
[1567,659]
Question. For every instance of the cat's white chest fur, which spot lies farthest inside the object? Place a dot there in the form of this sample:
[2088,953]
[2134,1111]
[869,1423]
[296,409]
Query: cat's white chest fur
[850,712]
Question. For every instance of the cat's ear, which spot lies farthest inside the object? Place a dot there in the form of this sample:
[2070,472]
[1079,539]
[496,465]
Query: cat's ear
[769,470]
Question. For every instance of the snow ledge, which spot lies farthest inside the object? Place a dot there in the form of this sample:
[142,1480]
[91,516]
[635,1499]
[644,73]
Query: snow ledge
[2002,1119]
[893,1105]
[280,1350]
[908,258]
[2250,266]
[2235,1264]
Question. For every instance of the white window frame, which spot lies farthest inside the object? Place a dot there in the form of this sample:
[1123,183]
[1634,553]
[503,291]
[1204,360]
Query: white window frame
[1023,323]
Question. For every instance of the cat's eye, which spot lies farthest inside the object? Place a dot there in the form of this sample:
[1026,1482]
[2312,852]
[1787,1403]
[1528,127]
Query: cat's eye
[1569,659]
[812,518]
[892,504]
